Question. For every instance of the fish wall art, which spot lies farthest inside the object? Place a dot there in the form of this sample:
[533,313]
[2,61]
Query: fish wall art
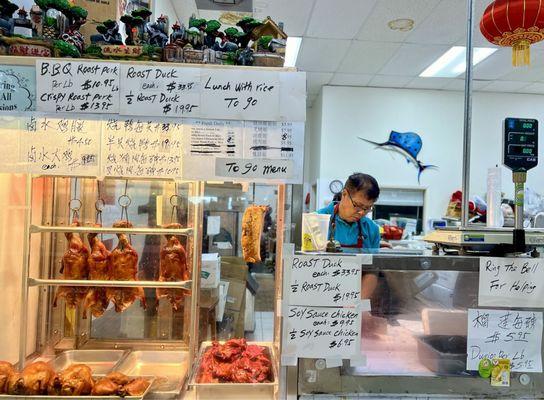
[408,145]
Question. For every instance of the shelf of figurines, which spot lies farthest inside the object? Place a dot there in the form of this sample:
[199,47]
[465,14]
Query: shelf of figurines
[52,29]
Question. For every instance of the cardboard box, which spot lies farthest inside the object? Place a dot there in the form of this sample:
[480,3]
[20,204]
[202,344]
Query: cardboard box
[210,274]
[236,295]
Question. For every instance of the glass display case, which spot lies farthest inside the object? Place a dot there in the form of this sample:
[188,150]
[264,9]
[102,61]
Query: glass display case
[415,337]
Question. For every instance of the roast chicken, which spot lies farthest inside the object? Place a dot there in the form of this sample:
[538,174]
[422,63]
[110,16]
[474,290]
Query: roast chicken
[124,267]
[76,380]
[105,387]
[6,371]
[135,387]
[118,384]
[118,378]
[33,380]
[74,266]
[173,268]
[236,362]
[99,269]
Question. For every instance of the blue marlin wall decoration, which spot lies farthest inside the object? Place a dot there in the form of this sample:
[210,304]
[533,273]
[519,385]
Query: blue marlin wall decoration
[408,145]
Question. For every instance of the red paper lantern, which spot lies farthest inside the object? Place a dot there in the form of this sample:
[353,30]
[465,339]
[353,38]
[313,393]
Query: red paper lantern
[516,24]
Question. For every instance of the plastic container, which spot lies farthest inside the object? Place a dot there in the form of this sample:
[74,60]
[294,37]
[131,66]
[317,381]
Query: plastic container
[315,231]
[443,354]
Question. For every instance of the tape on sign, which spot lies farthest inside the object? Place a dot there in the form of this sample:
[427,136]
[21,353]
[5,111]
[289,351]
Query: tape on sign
[289,361]
[358,361]
[333,362]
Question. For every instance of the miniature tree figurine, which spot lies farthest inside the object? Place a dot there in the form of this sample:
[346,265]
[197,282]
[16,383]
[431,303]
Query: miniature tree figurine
[158,32]
[263,42]
[233,34]
[134,25]
[212,31]
[199,23]
[51,29]
[247,24]
[77,16]
[108,33]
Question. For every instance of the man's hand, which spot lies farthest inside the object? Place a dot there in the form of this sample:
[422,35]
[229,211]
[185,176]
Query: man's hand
[384,244]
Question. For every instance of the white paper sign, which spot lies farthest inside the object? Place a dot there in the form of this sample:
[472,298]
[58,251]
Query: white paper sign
[511,282]
[321,332]
[240,94]
[17,89]
[61,146]
[148,148]
[213,138]
[273,140]
[515,335]
[160,91]
[77,87]
[320,280]
[254,169]
[214,225]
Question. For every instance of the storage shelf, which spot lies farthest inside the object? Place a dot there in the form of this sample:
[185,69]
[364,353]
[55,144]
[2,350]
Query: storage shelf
[145,284]
[91,229]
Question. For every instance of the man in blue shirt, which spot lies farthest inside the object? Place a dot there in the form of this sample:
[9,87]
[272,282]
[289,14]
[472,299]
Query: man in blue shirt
[349,224]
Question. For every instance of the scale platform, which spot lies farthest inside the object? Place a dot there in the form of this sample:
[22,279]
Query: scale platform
[482,239]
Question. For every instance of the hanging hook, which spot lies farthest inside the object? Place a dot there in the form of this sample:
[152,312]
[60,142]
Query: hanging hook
[75,203]
[175,202]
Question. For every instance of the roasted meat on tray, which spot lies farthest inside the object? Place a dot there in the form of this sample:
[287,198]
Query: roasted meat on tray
[74,267]
[76,380]
[124,267]
[118,384]
[99,270]
[252,228]
[6,371]
[173,268]
[236,362]
[33,380]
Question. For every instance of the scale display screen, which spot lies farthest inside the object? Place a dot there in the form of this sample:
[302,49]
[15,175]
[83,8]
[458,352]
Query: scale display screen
[520,144]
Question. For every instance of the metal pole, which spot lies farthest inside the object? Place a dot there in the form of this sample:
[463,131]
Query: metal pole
[467,117]
[25,272]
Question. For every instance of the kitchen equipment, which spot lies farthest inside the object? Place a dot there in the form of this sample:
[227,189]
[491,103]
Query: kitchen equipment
[101,362]
[443,354]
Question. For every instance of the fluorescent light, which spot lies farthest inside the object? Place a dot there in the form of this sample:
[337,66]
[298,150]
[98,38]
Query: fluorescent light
[453,62]
[291,51]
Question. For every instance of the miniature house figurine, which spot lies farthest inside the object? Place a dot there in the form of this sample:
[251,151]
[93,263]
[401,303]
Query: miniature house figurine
[268,28]
[36,18]
[22,26]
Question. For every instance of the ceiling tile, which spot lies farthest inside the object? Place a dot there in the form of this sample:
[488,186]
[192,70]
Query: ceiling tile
[446,25]
[505,86]
[428,83]
[338,21]
[321,55]
[315,80]
[294,14]
[459,85]
[412,59]
[367,57]
[375,27]
[351,79]
[390,81]
[536,88]
[496,65]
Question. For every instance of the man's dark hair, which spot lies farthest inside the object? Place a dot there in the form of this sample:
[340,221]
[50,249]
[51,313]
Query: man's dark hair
[358,182]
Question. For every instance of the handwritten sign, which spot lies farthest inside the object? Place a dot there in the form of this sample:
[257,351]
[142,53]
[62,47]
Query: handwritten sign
[77,87]
[322,332]
[275,140]
[17,89]
[253,169]
[217,138]
[515,335]
[511,282]
[319,280]
[160,91]
[141,148]
[241,95]
[61,146]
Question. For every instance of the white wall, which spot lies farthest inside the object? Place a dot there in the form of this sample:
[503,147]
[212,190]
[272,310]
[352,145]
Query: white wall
[166,8]
[437,116]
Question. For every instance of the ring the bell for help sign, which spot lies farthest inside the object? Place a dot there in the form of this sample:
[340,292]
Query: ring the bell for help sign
[322,306]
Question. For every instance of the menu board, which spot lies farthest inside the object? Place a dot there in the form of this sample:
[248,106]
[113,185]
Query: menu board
[511,282]
[514,335]
[160,91]
[322,332]
[320,280]
[240,94]
[77,87]
[60,146]
[148,148]
[218,138]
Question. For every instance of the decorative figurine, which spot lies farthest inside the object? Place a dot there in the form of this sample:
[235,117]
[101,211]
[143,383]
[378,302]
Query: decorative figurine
[36,17]
[212,32]
[108,33]
[77,16]
[22,26]
[225,45]
[173,52]
[248,24]
[7,8]
[135,26]
[158,32]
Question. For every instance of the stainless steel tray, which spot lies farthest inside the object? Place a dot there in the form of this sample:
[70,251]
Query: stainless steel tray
[205,345]
[168,367]
[101,362]
[151,379]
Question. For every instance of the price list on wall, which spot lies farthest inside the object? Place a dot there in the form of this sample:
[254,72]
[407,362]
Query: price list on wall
[273,140]
[148,148]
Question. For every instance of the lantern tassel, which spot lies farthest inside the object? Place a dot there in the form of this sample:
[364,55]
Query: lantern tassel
[521,53]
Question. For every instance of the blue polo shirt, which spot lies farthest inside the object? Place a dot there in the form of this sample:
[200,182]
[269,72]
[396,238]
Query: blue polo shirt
[347,233]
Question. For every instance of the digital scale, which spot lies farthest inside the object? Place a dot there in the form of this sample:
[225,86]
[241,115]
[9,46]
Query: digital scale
[520,154]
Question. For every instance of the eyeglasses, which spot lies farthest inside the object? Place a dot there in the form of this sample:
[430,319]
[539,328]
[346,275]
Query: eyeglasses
[365,209]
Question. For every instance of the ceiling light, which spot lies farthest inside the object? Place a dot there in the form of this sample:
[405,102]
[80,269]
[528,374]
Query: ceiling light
[453,62]
[401,24]
[291,51]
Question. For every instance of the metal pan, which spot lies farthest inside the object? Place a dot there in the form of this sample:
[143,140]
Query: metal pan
[101,362]
[151,379]
[234,390]
[168,367]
